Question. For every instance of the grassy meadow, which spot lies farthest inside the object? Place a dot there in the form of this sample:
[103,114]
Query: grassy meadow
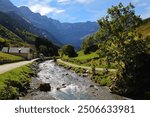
[8,58]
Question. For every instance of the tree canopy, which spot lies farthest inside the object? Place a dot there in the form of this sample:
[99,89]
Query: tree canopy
[89,45]
[69,51]
[119,42]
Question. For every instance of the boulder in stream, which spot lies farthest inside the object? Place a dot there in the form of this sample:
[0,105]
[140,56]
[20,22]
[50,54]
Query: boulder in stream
[45,87]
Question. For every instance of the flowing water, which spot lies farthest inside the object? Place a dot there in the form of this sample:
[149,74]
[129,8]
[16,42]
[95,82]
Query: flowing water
[67,85]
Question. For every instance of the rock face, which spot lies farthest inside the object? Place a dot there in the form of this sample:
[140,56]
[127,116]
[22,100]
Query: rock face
[45,87]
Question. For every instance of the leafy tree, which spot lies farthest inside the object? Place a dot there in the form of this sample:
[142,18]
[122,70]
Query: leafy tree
[46,47]
[120,43]
[87,42]
[69,50]
[88,45]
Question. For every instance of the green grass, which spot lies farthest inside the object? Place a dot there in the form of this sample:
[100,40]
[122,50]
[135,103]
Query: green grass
[15,82]
[83,57]
[8,58]
[6,33]
[144,29]
[103,78]
[88,60]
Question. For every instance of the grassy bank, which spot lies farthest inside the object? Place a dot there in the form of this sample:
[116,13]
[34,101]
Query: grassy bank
[15,83]
[8,58]
[88,60]
[100,77]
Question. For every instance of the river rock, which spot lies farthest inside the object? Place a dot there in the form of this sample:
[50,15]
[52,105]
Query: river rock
[64,84]
[91,86]
[58,88]
[45,87]
[67,74]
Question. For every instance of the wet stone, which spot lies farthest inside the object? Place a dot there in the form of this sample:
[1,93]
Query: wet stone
[45,87]
[91,86]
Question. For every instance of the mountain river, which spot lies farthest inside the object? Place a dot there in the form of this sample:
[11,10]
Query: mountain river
[66,85]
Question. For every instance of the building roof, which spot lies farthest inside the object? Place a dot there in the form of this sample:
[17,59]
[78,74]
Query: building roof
[16,50]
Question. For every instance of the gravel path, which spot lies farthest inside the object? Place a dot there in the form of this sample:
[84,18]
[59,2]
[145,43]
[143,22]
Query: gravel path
[85,67]
[7,67]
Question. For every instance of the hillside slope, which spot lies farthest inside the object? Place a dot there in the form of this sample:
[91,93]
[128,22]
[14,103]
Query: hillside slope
[6,33]
[144,29]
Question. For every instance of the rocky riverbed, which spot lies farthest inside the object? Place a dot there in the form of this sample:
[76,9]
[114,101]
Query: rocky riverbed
[66,85]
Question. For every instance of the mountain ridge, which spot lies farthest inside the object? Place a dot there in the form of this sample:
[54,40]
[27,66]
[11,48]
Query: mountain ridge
[66,33]
[71,33]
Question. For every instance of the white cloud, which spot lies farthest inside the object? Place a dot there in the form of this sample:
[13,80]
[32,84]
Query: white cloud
[63,1]
[43,7]
[43,10]
[85,1]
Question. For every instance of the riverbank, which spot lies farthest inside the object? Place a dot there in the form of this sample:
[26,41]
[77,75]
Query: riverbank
[15,83]
[34,93]
[97,75]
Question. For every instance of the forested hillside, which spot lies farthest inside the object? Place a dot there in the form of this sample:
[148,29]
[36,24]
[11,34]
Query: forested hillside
[18,32]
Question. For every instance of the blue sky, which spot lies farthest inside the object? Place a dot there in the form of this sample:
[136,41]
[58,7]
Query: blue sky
[80,10]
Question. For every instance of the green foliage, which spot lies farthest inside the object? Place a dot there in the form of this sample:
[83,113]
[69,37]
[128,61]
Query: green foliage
[5,33]
[87,42]
[119,42]
[69,51]
[88,45]
[15,82]
[86,60]
[93,66]
[8,58]
[82,59]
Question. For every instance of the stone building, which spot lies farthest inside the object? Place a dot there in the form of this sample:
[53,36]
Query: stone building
[23,52]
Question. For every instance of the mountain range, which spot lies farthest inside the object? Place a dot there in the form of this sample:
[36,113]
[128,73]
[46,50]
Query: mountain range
[57,32]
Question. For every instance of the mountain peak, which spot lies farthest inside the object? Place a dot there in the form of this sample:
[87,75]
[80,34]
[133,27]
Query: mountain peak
[24,8]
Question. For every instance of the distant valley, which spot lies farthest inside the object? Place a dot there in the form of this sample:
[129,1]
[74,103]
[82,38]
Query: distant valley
[55,31]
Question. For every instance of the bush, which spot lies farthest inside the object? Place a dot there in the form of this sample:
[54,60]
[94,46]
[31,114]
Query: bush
[69,51]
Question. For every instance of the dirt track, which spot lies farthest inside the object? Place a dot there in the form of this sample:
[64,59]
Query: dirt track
[7,67]
[85,67]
